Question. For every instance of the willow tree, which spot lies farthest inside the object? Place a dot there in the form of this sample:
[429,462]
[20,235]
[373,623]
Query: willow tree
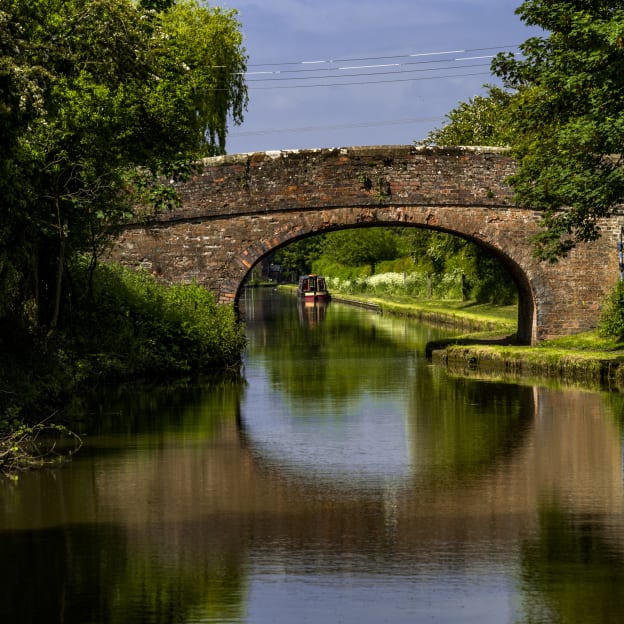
[567,117]
[91,93]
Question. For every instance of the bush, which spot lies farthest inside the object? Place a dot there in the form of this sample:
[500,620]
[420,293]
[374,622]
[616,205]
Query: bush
[125,325]
[612,318]
[137,326]
[416,284]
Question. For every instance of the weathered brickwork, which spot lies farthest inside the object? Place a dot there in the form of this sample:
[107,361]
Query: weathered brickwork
[238,208]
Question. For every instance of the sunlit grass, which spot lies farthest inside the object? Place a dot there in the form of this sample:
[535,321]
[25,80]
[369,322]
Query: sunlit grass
[492,317]
[587,341]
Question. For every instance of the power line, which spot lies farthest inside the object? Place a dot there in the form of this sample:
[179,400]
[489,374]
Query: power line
[366,82]
[378,58]
[354,67]
[379,73]
[363,124]
[429,61]
[348,68]
[332,66]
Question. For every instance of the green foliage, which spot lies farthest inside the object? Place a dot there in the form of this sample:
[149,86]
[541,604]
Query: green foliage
[90,94]
[480,121]
[147,328]
[567,118]
[131,326]
[300,255]
[612,317]
[98,101]
[480,276]
[489,282]
[327,267]
[206,68]
[360,246]
[412,261]
[416,284]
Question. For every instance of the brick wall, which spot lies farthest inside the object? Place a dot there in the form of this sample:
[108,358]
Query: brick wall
[236,209]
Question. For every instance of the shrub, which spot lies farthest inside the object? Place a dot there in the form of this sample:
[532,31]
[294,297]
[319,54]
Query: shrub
[136,326]
[415,284]
[612,318]
[117,323]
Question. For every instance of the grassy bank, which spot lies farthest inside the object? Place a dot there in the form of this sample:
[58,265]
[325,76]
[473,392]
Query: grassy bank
[489,348]
[468,314]
[487,344]
[479,317]
[583,360]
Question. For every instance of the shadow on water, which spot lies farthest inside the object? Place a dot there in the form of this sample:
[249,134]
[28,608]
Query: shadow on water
[571,571]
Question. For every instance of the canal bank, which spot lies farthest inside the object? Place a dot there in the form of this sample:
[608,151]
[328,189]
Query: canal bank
[488,347]
[472,357]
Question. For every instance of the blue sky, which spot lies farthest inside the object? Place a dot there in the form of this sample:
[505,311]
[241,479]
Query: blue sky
[413,60]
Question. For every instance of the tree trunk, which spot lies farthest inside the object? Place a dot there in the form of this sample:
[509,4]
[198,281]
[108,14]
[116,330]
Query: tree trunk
[59,275]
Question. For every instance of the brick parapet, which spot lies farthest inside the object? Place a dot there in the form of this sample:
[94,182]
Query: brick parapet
[311,179]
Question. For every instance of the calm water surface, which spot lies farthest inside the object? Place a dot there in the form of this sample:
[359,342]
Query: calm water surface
[346,480]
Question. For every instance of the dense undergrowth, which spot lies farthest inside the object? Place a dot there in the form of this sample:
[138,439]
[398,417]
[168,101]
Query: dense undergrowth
[117,324]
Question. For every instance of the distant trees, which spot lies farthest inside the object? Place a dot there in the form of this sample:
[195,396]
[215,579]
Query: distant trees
[361,246]
[299,256]
[434,256]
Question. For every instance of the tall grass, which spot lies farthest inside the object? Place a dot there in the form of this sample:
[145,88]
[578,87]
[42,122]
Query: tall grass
[120,324]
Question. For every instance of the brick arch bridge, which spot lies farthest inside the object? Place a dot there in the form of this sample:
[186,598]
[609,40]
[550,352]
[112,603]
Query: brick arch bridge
[236,209]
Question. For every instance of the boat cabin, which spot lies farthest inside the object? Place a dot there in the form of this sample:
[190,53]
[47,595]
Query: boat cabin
[312,287]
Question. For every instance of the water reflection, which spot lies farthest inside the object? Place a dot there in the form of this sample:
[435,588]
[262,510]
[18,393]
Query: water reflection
[311,313]
[572,571]
[398,495]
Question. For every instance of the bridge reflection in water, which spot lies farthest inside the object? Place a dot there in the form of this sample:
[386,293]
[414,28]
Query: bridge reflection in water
[248,495]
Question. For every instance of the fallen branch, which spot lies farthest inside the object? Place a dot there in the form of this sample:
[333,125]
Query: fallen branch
[37,446]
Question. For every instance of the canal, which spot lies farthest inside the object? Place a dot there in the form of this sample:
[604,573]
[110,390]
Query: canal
[345,479]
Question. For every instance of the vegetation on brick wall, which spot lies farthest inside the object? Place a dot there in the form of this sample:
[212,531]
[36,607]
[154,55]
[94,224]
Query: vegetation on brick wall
[612,318]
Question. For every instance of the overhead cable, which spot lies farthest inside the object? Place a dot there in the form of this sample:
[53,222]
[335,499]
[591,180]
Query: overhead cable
[377,58]
[380,73]
[366,82]
[363,124]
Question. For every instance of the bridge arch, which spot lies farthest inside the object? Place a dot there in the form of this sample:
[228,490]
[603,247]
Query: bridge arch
[526,302]
[236,209]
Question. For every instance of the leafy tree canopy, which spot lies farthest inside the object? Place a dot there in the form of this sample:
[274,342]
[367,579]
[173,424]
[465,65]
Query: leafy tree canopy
[567,117]
[480,121]
[298,256]
[361,246]
[89,93]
